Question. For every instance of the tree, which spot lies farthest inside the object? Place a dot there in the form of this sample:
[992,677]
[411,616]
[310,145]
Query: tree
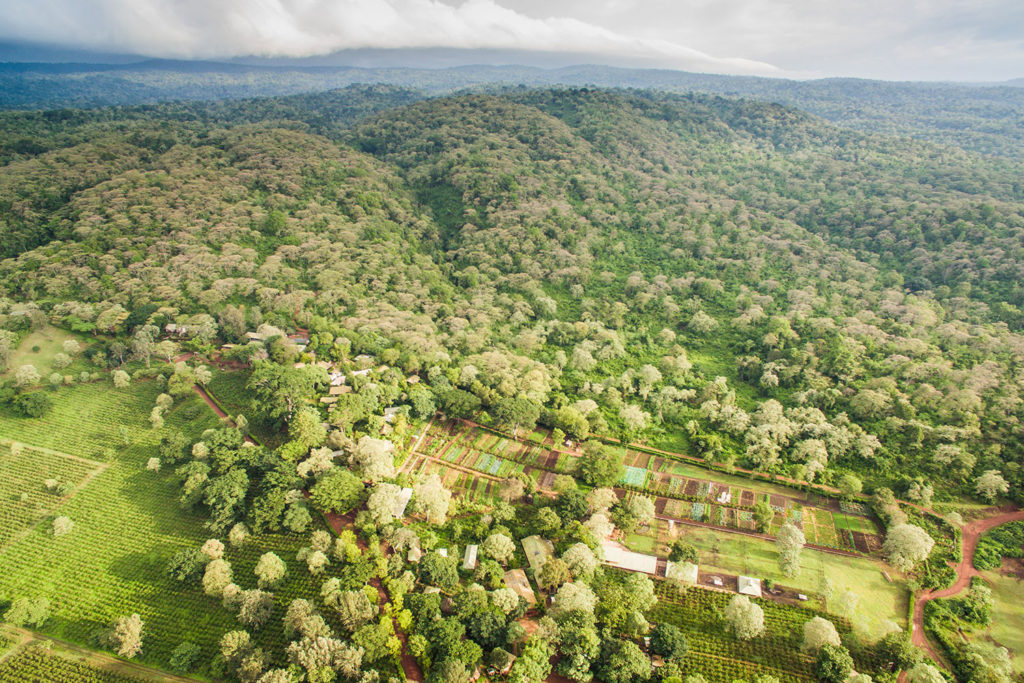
[437,570]
[26,375]
[850,485]
[990,484]
[600,466]
[29,612]
[499,547]
[432,498]
[834,664]
[925,673]
[897,647]
[633,511]
[187,565]
[906,545]
[622,661]
[553,573]
[634,419]
[382,501]
[185,657]
[270,570]
[373,458]
[790,542]
[278,391]
[238,535]
[683,552]
[745,618]
[255,607]
[217,577]
[668,641]
[62,525]
[306,428]
[763,516]
[602,499]
[353,607]
[337,491]
[127,636]
[516,413]
[818,632]
[574,597]
[213,549]
[581,561]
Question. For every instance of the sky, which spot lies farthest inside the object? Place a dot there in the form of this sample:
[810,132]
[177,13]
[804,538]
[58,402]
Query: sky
[978,40]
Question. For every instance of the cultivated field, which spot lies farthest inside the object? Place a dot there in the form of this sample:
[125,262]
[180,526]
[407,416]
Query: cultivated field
[25,498]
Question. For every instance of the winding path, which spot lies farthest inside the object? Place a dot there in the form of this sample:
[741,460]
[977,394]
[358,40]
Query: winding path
[964,571]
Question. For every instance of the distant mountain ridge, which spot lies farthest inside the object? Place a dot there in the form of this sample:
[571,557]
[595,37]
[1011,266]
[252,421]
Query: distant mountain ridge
[978,117]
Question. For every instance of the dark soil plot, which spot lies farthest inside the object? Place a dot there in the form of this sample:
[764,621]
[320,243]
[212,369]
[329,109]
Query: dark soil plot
[692,487]
[778,501]
[747,499]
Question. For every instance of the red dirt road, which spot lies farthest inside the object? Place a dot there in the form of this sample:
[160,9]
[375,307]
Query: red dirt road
[964,571]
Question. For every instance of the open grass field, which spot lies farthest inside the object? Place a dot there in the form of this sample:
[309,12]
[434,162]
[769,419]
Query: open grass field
[24,496]
[1008,616]
[49,339]
[881,603]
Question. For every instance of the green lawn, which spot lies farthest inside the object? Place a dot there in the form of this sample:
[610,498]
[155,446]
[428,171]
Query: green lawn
[1008,616]
[880,601]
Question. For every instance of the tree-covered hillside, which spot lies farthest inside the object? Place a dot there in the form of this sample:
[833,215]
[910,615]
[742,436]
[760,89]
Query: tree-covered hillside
[739,280]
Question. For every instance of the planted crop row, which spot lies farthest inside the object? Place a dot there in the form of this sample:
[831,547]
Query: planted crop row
[35,663]
[32,484]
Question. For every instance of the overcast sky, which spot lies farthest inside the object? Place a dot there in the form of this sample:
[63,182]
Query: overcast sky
[890,39]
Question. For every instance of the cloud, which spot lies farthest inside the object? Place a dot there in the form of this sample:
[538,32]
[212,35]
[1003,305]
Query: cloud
[213,29]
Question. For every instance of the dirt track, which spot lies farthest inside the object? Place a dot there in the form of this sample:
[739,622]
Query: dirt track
[964,571]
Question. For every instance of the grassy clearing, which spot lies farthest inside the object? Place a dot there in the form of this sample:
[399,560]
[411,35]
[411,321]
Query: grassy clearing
[1008,616]
[49,339]
[24,498]
[881,602]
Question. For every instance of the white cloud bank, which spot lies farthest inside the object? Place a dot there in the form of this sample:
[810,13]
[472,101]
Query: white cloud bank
[211,29]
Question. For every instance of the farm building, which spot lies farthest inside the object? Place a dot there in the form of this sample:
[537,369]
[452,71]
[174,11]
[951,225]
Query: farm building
[517,581]
[617,556]
[469,559]
[537,550]
[686,572]
[750,586]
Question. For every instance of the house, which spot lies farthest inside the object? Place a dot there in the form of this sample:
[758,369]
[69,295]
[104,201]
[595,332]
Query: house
[469,559]
[338,391]
[361,373]
[404,496]
[537,550]
[443,552]
[517,581]
[415,553]
[255,337]
[750,586]
[337,379]
[390,414]
[329,400]
[618,556]
[412,379]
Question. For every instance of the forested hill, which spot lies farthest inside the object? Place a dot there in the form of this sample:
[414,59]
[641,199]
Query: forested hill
[979,117]
[737,279]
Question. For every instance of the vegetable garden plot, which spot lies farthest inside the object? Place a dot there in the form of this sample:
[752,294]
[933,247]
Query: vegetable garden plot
[634,476]
[24,496]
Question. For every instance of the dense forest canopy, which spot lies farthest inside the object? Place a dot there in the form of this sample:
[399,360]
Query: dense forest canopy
[767,288]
